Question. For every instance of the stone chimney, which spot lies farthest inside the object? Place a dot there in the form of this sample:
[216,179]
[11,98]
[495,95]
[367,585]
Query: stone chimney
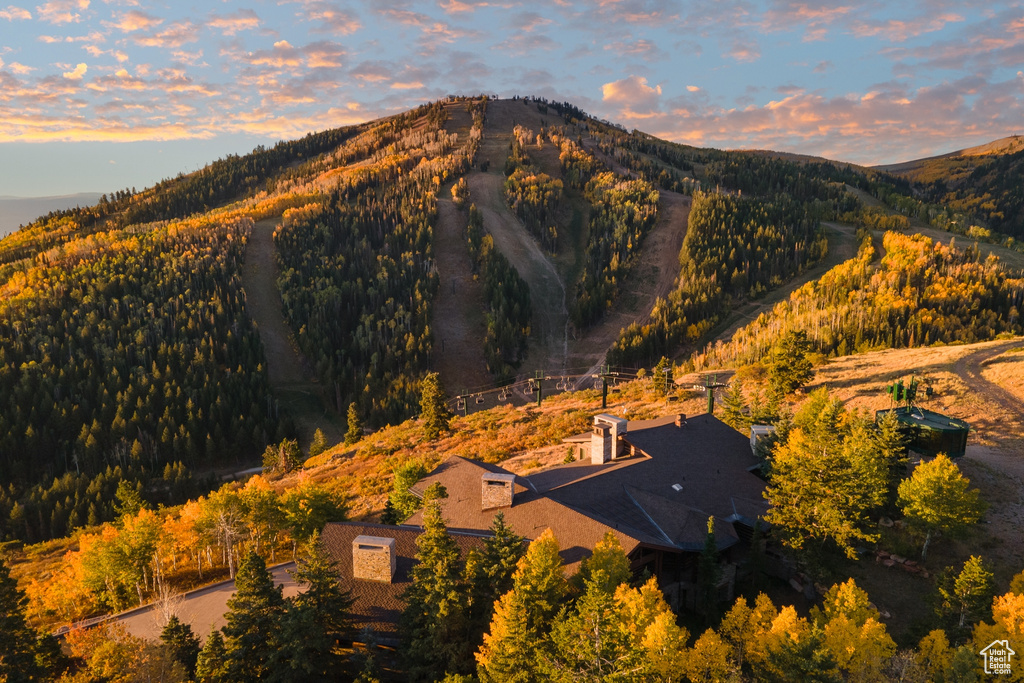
[374,558]
[497,490]
[681,420]
[618,427]
[601,444]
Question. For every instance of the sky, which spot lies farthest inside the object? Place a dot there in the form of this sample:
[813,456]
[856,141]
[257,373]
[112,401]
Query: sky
[98,95]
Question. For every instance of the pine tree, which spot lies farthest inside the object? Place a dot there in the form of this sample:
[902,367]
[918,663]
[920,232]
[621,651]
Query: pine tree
[17,641]
[434,621]
[433,406]
[511,649]
[182,643]
[788,365]
[319,443]
[708,575]
[490,573]
[734,411]
[355,427]
[315,620]
[212,662]
[255,612]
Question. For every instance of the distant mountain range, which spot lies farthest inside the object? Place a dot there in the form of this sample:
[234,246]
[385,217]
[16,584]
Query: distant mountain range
[16,211]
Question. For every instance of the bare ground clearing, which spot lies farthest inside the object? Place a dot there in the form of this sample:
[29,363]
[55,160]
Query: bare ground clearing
[296,392]
[458,321]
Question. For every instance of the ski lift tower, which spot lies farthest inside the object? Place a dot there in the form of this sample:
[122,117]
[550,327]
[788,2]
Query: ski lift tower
[710,384]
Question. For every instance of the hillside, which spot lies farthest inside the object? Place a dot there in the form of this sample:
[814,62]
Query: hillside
[978,185]
[166,335]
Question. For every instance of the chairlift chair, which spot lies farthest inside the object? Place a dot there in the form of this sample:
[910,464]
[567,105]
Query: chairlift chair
[479,399]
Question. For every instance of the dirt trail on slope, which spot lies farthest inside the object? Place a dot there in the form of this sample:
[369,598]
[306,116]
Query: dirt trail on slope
[458,320]
[548,346]
[548,336]
[296,392]
[652,277]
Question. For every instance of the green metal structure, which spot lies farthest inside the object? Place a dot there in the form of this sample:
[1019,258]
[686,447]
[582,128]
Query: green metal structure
[931,433]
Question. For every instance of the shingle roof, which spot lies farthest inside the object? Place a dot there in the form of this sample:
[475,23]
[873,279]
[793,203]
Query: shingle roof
[662,496]
[531,513]
[680,477]
[377,605]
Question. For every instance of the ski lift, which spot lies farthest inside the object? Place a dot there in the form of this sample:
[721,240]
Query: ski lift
[529,388]
[460,404]
[503,395]
[479,399]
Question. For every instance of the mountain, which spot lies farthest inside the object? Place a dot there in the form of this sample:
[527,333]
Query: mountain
[158,335]
[979,185]
[17,211]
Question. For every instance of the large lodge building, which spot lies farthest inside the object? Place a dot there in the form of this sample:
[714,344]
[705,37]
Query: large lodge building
[652,483]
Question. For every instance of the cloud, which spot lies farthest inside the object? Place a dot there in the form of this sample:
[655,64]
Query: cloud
[743,51]
[635,97]
[890,123]
[816,18]
[77,73]
[373,72]
[692,88]
[134,20]
[823,67]
[528,21]
[332,18]
[412,85]
[281,55]
[230,24]
[525,44]
[62,11]
[20,69]
[644,49]
[324,54]
[174,36]
[898,31]
[13,13]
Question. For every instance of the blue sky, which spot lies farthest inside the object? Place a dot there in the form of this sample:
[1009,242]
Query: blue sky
[97,95]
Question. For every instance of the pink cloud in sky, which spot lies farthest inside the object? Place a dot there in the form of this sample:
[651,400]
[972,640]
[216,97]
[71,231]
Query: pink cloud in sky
[77,73]
[134,20]
[177,34]
[62,11]
[230,24]
[13,13]
[899,31]
[332,17]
